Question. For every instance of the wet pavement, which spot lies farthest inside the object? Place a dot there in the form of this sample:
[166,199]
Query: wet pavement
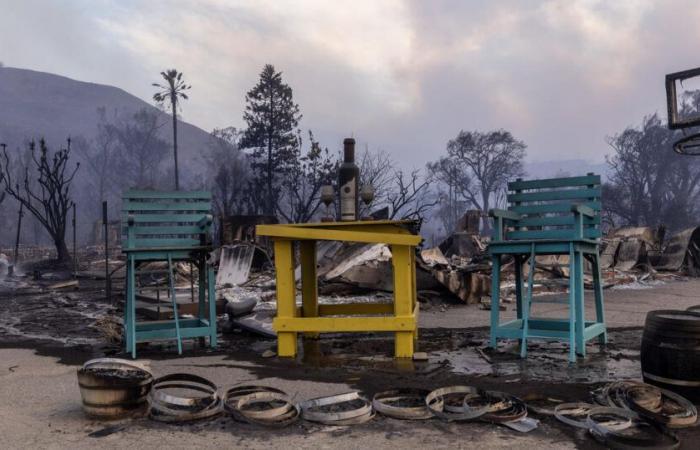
[65,324]
[67,321]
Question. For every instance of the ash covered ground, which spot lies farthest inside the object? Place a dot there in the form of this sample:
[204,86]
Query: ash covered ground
[47,333]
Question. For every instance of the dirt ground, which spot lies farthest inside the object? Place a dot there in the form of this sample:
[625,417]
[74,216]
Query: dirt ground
[44,338]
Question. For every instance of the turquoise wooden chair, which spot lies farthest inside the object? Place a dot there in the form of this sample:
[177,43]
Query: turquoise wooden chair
[558,216]
[171,227]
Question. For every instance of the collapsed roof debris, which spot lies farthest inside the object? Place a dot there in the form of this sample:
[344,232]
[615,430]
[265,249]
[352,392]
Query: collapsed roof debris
[234,264]
[458,269]
[682,253]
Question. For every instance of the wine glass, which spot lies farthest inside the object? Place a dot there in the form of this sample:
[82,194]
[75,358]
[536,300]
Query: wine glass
[327,197]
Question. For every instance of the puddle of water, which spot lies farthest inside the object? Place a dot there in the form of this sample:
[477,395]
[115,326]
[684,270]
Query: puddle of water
[546,361]
[67,319]
[10,326]
[466,353]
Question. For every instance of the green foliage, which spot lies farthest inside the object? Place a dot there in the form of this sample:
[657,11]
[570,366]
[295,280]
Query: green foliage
[272,118]
[174,89]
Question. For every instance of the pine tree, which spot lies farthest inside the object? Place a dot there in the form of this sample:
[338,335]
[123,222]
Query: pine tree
[272,118]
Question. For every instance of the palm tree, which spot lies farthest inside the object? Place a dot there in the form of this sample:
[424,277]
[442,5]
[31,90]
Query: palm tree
[174,90]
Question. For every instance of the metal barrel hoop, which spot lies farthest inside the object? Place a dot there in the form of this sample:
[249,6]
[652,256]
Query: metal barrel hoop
[275,417]
[436,404]
[382,402]
[579,409]
[352,417]
[177,408]
[504,408]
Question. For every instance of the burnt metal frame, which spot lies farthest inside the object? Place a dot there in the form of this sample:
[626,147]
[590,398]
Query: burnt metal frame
[674,122]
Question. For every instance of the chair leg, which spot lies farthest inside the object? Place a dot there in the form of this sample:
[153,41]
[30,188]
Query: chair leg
[495,298]
[171,279]
[202,282]
[127,308]
[572,301]
[518,266]
[598,292]
[519,285]
[211,288]
[580,310]
[525,308]
[200,263]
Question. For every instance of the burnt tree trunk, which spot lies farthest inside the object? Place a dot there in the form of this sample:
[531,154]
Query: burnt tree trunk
[62,253]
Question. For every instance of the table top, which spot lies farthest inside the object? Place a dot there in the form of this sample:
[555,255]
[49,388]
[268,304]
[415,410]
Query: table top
[348,223]
[371,231]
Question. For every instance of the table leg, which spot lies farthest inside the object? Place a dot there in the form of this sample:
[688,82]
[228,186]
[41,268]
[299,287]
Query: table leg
[286,295]
[414,291]
[309,282]
[403,297]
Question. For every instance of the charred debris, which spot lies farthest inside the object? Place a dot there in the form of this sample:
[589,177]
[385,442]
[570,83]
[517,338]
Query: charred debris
[458,270]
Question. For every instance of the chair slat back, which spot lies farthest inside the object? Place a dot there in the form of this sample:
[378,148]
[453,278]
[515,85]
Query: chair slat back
[165,219]
[546,207]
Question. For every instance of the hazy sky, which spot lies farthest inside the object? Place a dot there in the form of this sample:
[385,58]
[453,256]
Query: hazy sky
[401,76]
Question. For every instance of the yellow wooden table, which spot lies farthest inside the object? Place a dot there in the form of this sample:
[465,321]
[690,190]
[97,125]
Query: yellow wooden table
[401,317]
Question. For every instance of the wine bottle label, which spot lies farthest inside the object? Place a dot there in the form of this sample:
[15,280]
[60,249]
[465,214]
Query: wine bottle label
[347,200]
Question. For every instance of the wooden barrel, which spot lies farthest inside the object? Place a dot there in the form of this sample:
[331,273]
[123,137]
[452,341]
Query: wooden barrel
[670,352]
[112,388]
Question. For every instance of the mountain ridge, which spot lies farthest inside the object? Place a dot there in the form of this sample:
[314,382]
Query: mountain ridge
[36,104]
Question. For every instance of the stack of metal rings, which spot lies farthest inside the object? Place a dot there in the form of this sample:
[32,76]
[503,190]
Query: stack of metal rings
[406,404]
[261,405]
[166,407]
[343,409]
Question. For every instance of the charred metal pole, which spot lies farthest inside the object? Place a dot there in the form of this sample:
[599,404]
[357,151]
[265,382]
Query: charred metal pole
[75,251]
[19,228]
[108,283]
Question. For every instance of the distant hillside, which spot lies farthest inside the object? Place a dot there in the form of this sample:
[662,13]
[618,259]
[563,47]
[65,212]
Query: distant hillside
[38,104]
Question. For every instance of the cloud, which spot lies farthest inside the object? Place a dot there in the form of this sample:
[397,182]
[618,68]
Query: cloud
[404,76]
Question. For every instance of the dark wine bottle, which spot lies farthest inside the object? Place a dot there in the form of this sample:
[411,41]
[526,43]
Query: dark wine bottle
[348,181]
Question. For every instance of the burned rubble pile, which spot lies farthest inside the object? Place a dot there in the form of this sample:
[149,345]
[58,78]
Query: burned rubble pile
[458,270]
[629,256]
